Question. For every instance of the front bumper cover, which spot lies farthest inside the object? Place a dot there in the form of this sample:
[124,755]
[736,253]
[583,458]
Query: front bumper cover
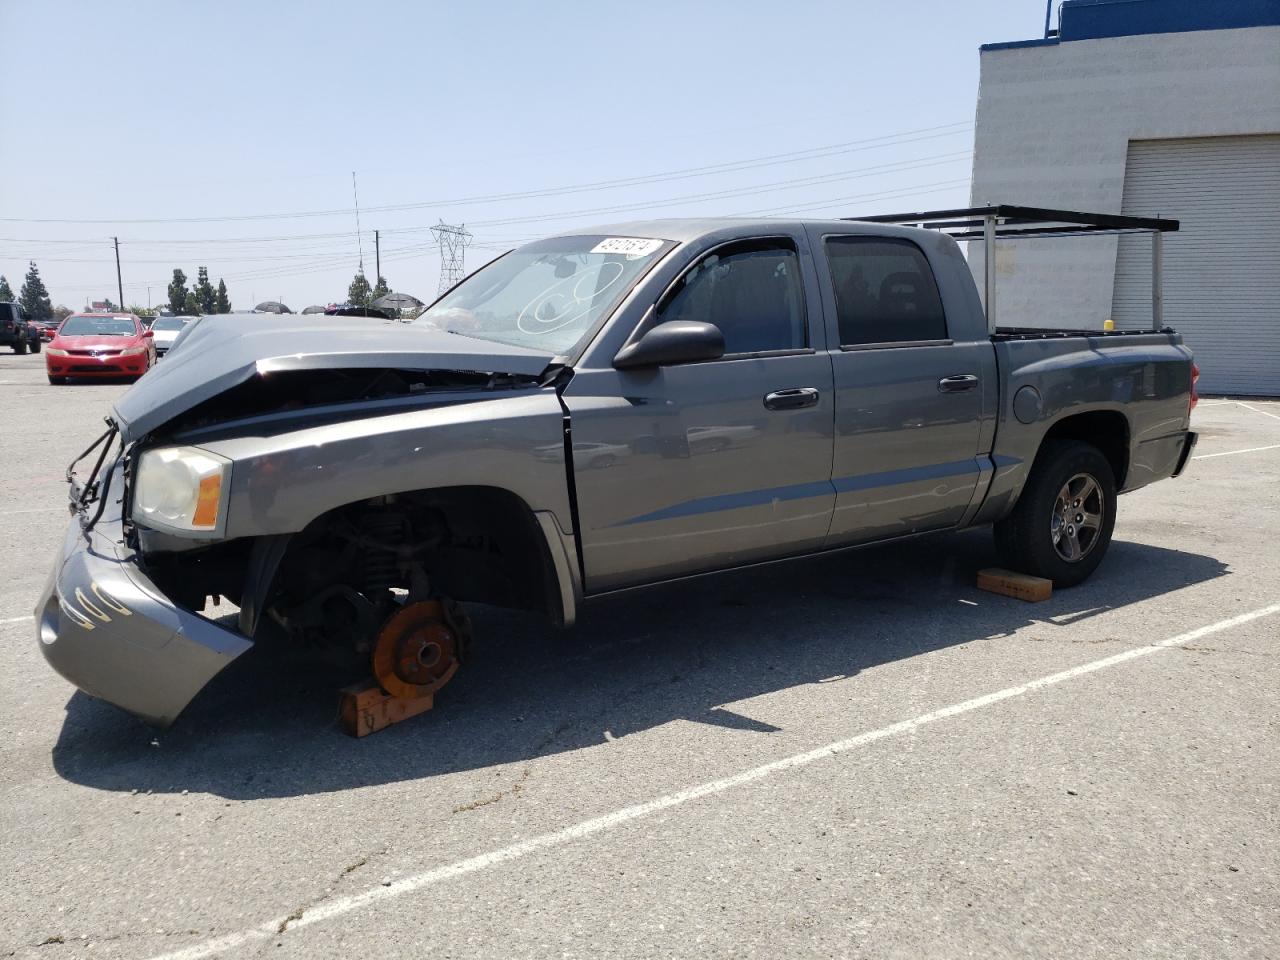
[103,625]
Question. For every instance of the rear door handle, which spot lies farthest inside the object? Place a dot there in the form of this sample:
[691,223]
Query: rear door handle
[792,399]
[956,384]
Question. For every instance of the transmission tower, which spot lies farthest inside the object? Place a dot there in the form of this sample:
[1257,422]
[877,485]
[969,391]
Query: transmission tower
[453,248]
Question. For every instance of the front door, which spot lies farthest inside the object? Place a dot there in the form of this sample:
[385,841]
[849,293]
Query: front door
[686,468]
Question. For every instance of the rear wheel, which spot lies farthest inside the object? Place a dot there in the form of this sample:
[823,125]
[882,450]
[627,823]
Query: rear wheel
[35,345]
[1061,526]
[19,347]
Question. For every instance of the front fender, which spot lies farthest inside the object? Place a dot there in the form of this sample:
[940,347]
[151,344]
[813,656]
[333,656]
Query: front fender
[280,483]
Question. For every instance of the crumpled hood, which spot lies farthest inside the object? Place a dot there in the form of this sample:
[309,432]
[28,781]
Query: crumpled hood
[225,351]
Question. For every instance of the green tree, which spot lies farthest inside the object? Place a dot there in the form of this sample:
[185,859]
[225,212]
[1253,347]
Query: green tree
[221,302]
[61,313]
[178,292]
[380,289]
[6,291]
[140,311]
[191,306]
[358,292]
[34,297]
[204,291]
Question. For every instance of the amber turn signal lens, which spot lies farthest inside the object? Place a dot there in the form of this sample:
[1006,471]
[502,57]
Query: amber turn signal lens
[207,500]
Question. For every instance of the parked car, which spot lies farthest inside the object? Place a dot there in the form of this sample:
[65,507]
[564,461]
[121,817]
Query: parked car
[17,329]
[761,389]
[100,345]
[166,330]
[46,329]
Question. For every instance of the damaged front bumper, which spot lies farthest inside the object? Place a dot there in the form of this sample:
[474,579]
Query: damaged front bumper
[104,626]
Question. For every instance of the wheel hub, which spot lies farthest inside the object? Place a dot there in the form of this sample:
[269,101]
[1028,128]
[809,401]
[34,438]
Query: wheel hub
[417,651]
[1076,522]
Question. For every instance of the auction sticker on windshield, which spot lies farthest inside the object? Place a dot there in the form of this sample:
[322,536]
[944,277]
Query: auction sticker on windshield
[631,247]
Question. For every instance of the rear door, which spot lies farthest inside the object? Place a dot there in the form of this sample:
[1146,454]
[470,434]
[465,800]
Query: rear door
[908,396]
[700,466]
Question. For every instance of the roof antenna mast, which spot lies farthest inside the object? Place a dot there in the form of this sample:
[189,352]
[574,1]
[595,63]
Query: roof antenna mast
[359,240]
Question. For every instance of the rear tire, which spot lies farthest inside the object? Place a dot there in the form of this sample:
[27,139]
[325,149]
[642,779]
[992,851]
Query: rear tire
[20,347]
[1061,526]
[35,345]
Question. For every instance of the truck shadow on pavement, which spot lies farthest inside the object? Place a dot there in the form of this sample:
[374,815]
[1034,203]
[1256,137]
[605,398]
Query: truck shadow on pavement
[267,726]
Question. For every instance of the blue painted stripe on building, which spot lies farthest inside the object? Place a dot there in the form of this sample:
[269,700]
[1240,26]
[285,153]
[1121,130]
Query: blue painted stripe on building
[1105,19]
[1099,19]
[1016,44]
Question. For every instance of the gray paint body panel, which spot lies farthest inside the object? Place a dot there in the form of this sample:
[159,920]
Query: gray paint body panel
[102,624]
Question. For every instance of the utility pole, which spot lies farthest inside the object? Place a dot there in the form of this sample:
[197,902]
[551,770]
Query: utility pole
[377,257]
[119,283]
[453,243]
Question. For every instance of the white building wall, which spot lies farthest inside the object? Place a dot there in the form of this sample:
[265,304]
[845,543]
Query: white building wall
[1053,129]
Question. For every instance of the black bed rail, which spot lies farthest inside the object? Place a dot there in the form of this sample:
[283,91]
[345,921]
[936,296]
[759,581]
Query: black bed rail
[1013,222]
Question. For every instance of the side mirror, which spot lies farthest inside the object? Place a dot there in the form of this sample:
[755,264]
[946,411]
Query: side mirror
[676,341]
[149,333]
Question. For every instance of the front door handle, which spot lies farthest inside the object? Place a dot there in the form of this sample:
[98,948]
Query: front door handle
[956,384]
[792,399]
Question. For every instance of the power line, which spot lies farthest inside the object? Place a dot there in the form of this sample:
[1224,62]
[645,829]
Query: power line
[795,156]
[728,194]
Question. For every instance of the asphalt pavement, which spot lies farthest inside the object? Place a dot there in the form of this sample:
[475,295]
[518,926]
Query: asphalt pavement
[859,755]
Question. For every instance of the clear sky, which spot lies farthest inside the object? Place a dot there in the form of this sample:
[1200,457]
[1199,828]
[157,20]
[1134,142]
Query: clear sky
[237,117]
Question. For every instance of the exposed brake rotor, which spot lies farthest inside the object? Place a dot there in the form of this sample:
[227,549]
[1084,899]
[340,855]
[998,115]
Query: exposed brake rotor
[419,648]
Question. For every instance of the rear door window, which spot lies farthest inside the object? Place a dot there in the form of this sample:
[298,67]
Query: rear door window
[885,291]
[751,290]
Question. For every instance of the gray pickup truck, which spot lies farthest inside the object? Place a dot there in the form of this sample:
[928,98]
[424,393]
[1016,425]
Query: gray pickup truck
[589,413]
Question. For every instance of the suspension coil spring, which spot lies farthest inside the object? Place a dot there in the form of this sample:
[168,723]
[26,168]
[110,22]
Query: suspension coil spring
[380,566]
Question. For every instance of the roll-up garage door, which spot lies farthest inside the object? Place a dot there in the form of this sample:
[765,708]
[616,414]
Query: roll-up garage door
[1222,269]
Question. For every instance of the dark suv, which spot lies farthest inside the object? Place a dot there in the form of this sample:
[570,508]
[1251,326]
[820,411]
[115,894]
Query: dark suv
[17,330]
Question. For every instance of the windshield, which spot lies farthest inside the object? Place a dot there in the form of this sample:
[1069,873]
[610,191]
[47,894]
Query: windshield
[546,295]
[97,327]
[168,323]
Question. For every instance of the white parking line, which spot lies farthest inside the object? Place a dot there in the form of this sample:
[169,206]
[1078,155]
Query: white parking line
[339,906]
[1232,453]
[1265,413]
[17,619]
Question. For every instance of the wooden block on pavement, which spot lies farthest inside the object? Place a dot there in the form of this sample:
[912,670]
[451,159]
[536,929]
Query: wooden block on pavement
[1020,585]
[366,708]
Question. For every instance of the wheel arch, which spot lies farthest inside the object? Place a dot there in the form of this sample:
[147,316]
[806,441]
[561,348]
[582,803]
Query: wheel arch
[498,550]
[1107,430]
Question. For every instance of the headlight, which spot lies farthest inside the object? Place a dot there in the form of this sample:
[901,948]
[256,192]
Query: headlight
[181,489]
[55,352]
[133,352]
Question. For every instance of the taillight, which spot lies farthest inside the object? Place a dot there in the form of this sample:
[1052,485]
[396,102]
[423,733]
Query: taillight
[1195,378]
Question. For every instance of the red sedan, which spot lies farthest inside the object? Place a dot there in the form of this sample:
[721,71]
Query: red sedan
[99,345]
